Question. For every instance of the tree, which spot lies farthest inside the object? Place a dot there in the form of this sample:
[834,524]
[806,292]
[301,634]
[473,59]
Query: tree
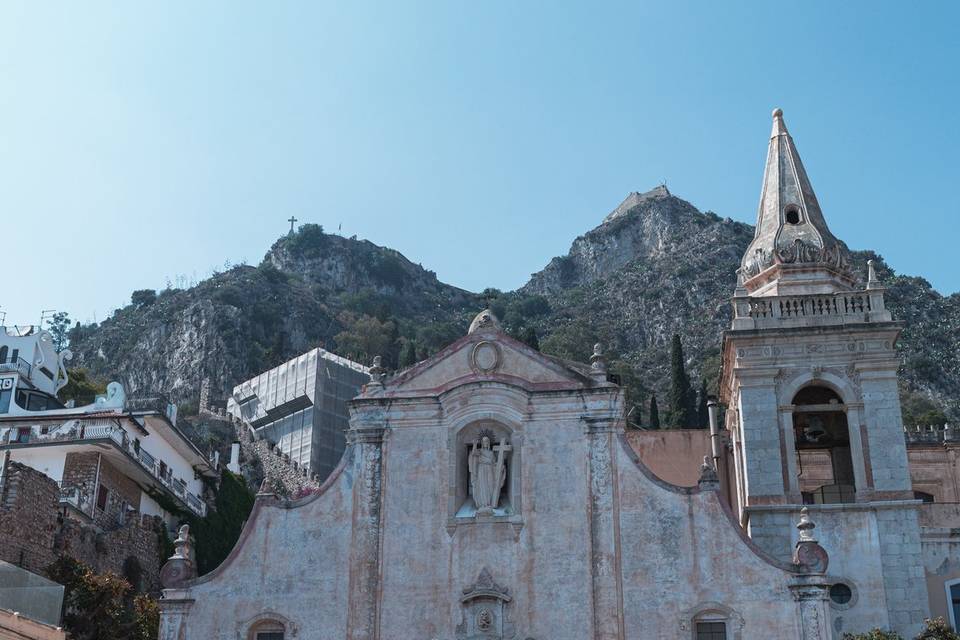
[365,338]
[681,412]
[59,328]
[408,354]
[529,337]
[654,413]
[703,416]
[80,388]
[143,297]
[102,605]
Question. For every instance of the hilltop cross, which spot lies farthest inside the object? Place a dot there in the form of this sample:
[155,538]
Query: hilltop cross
[291,220]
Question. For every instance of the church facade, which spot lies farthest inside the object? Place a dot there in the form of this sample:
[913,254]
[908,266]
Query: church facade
[491,492]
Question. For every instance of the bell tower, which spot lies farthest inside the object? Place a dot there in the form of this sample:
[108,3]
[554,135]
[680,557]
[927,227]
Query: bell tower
[809,379]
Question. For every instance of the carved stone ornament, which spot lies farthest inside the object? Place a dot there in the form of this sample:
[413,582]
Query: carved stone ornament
[485,357]
[809,555]
[179,568]
[485,611]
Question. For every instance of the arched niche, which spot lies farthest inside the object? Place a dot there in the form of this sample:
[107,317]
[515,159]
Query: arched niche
[506,440]
[822,441]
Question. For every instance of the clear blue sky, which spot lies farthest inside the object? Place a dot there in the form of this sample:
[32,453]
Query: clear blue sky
[139,141]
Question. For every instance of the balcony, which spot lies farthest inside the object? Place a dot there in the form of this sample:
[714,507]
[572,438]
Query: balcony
[849,307]
[107,430]
[18,365]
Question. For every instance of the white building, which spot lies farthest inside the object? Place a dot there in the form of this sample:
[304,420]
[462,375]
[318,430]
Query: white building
[109,457]
[301,407]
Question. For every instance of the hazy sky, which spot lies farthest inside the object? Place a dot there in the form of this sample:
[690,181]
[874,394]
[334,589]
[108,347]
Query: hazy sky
[139,142]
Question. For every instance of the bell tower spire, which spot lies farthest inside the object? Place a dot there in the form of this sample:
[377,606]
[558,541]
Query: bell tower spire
[792,250]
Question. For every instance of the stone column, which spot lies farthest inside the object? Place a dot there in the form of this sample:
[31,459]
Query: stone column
[810,588]
[857,454]
[173,615]
[366,442]
[604,530]
[811,594]
[790,453]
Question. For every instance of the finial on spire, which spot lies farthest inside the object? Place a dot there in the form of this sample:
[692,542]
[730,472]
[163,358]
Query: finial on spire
[779,127]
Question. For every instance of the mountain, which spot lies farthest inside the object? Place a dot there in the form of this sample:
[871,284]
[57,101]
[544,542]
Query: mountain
[655,266]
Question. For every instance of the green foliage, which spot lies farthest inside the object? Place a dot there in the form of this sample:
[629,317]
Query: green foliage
[309,240]
[408,354]
[59,328]
[703,417]
[875,634]
[102,605]
[918,409]
[654,413]
[938,629]
[219,530]
[367,338]
[682,412]
[529,337]
[81,388]
[388,269]
[143,297]
[573,341]
[634,392]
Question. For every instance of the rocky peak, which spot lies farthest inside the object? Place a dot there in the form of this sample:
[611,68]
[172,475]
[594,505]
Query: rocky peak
[645,226]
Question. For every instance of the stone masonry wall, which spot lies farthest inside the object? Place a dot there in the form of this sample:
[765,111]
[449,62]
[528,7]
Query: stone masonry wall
[262,462]
[903,569]
[87,471]
[33,533]
[28,518]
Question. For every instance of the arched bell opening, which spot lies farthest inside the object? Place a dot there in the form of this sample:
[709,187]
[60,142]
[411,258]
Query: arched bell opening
[822,441]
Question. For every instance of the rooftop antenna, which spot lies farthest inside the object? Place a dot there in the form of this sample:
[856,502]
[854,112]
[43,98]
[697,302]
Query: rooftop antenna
[45,316]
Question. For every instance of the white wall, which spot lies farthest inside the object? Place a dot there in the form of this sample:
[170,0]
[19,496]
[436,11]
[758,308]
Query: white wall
[49,460]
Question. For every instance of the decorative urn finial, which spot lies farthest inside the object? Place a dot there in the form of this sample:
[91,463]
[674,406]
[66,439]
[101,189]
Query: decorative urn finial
[808,554]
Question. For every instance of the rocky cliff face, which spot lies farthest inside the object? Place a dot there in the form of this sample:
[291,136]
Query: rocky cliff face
[654,267]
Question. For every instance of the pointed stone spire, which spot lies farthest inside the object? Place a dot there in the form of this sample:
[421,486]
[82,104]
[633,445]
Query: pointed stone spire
[792,235]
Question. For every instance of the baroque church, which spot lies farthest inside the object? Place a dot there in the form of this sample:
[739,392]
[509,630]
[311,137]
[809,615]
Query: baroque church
[492,491]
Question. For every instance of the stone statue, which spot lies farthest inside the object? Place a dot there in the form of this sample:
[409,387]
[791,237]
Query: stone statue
[487,473]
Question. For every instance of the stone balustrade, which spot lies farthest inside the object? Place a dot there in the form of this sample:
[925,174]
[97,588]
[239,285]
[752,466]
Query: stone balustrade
[931,434]
[849,307]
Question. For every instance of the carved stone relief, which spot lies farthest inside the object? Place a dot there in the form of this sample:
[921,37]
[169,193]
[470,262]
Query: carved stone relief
[485,610]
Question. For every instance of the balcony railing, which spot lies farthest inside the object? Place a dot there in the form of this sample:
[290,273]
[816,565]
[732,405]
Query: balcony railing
[850,307]
[77,430]
[18,365]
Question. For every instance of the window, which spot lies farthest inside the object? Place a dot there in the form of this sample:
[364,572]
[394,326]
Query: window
[267,630]
[3,355]
[102,498]
[711,630]
[840,593]
[920,495]
[792,215]
[953,601]
[5,396]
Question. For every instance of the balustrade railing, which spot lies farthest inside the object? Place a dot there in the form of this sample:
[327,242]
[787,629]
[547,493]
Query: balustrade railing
[931,434]
[851,306]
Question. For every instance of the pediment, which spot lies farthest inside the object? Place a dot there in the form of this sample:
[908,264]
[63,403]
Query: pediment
[489,355]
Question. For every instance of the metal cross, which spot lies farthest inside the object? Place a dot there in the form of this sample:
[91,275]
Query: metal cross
[292,220]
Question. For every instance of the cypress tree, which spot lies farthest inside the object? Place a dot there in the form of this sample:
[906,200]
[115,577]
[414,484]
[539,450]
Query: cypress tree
[408,355]
[682,413]
[529,337]
[703,417]
[654,413]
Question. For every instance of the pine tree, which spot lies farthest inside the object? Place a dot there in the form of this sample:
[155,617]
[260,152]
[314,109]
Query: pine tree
[408,355]
[529,337]
[654,413]
[703,416]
